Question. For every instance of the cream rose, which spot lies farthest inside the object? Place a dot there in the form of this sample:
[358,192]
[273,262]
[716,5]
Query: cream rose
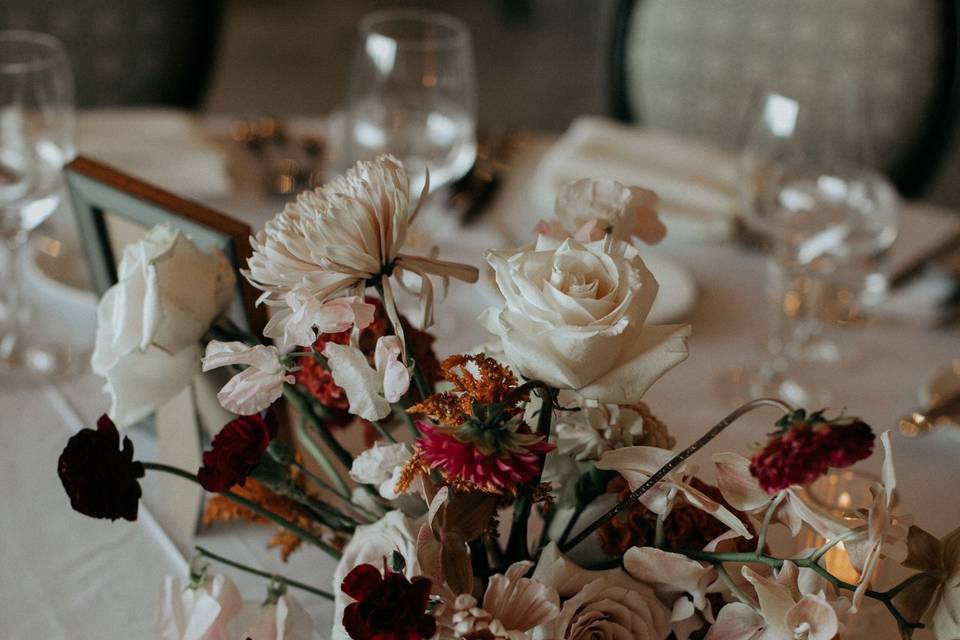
[150,323]
[589,209]
[599,604]
[574,317]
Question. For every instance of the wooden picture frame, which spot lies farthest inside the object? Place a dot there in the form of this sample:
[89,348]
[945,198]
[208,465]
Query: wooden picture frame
[113,209]
[107,202]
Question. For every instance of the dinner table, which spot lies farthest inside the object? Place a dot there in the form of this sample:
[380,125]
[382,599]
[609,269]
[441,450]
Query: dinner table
[64,576]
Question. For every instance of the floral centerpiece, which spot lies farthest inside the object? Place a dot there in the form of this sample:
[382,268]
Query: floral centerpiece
[521,491]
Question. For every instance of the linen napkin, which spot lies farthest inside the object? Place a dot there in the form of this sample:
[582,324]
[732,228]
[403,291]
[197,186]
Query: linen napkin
[697,183]
[930,299]
[166,147]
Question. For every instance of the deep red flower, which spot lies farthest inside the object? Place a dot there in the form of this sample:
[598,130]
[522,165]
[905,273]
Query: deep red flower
[388,606]
[98,476]
[235,452]
[316,379]
[804,448]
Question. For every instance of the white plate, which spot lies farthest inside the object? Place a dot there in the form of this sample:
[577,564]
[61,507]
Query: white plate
[678,289]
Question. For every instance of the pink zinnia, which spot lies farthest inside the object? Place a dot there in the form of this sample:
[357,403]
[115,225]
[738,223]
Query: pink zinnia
[498,463]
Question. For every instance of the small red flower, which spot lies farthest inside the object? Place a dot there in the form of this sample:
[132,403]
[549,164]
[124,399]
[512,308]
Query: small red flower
[235,452]
[99,477]
[388,606]
[804,448]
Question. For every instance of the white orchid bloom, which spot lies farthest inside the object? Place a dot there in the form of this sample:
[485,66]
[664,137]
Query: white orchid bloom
[744,493]
[885,533]
[203,612]
[256,387]
[638,464]
[310,316]
[370,390]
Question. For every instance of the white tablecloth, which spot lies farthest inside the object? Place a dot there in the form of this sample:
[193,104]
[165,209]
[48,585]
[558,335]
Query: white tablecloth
[64,576]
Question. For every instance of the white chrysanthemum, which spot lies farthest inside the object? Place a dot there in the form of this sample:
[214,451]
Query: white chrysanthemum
[339,238]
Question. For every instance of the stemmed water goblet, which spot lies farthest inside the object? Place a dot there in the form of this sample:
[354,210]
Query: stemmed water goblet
[807,188]
[36,139]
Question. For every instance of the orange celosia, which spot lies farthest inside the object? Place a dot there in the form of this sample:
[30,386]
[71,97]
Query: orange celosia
[493,384]
[221,509]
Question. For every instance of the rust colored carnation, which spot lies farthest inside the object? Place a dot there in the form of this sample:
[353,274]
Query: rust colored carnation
[235,452]
[99,477]
[687,527]
[388,606]
[804,448]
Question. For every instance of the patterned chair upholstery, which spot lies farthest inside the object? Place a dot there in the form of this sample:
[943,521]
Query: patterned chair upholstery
[157,52]
[687,66]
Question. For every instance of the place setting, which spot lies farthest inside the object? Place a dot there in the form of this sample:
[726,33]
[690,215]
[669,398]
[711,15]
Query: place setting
[403,357]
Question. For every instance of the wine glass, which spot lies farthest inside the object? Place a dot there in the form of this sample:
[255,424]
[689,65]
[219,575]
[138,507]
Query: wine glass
[412,93]
[806,186]
[36,138]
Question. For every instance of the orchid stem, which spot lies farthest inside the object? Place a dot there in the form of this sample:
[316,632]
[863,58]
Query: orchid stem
[302,406]
[517,546]
[672,463]
[263,574]
[767,517]
[383,431]
[409,420]
[822,551]
[886,597]
[295,529]
[571,523]
[320,456]
[734,589]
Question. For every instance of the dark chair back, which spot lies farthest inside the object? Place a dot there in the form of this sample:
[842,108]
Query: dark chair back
[157,52]
[687,66]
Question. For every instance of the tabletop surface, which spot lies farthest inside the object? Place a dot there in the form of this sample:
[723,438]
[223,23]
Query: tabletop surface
[66,576]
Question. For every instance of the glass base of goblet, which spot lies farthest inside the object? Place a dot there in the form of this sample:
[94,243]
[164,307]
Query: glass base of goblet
[25,364]
[778,378]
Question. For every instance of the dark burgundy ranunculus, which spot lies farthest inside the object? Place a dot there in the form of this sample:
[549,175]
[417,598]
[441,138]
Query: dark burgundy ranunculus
[805,447]
[99,477]
[235,452]
[388,606]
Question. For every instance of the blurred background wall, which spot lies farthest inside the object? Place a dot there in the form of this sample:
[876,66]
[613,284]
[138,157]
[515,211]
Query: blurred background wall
[539,62]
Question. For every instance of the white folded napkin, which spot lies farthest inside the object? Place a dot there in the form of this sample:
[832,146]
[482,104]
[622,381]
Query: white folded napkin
[697,183]
[924,300]
[166,147]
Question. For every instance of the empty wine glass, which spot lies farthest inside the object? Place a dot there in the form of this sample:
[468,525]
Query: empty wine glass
[36,139]
[806,186]
[412,93]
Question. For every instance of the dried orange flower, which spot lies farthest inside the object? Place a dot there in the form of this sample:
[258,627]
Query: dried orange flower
[491,384]
[221,509]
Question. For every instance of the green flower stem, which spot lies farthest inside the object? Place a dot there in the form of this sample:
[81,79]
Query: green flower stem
[517,546]
[264,574]
[321,458]
[571,523]
[383,431]
[672,463]
[734,589]
[303,407]
[659,534]
[295,529]
[411,426]
[321,483]
[822,551]
[886,597]
[767,517]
